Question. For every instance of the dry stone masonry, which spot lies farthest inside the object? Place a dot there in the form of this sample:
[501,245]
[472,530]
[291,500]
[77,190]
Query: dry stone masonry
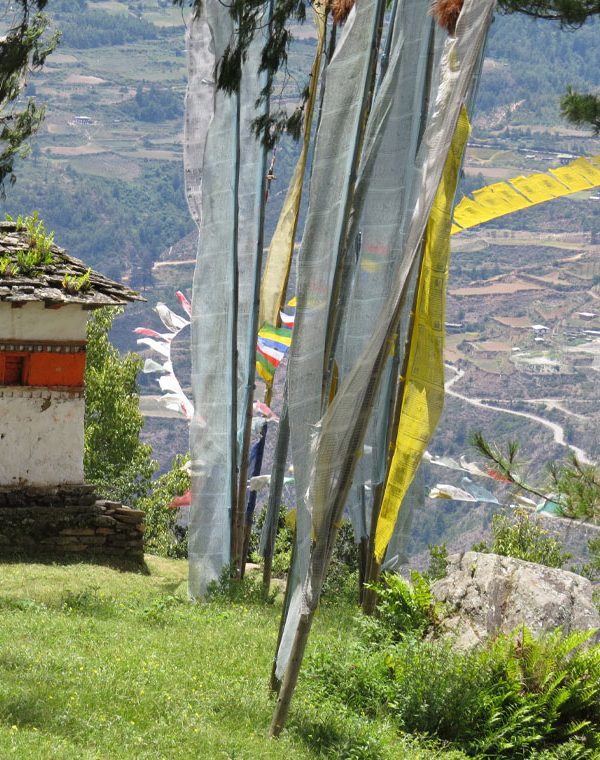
[68,521]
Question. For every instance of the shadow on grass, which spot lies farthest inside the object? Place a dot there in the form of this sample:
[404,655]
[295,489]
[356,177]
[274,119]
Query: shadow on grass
[114,563]
[24,712]
[337,736]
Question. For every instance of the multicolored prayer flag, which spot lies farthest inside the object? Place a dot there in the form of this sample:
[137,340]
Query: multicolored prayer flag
[272,345]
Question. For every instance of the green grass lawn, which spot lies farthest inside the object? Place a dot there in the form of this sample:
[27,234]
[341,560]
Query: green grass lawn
[98,663]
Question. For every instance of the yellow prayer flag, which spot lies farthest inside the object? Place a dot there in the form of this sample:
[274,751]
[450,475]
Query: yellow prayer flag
[279,258]
[423,394]
[503,198]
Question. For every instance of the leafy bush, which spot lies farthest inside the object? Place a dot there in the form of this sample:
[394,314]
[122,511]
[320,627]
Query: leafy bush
[403,608]
[502,701]
[159,609]
[359,679]
[162,535]
[341,583]
[115,461]
[571,750]
[248,590]
[591,569]
[516,697]
[523,538]
[283,541]
[438,691]
[438,562]
[337,732]
[88,601]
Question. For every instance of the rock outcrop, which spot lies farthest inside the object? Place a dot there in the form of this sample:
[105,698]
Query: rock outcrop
[486,594]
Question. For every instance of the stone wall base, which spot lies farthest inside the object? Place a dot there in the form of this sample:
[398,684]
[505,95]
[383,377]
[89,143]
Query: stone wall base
[46,525]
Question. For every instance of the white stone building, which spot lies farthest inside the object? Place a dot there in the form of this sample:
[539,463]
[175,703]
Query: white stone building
[43,315]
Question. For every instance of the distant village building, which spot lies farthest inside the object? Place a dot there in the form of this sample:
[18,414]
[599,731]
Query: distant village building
[565,158]
[542,366]
[43,316]
[83,120]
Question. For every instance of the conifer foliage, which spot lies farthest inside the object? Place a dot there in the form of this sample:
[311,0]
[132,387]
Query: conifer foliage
[25,47]
[578,108]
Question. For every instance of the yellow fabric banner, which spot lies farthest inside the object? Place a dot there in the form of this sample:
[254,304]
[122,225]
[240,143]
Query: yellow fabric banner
[523,192]
[281,249]
[423,395]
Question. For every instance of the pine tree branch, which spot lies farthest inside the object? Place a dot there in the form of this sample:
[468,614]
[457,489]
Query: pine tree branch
[569,13]
[506,466]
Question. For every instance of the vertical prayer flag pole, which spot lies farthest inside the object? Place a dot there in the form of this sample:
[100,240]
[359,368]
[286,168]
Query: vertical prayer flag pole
[233,320]
[274,286]
[262,183]
[369,595]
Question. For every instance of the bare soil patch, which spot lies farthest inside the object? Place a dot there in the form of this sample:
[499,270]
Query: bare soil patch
[497,289]
[518,323]
[76,79]
[492,345]
[65,58]
[80,150]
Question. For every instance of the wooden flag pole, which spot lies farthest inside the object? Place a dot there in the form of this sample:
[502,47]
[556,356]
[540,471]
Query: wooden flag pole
[263,182]
[232,332]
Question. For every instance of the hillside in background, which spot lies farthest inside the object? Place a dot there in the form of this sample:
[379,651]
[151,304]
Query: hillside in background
[106,175]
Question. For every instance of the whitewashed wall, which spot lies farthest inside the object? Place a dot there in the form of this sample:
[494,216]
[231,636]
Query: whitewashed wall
[34,322]
[41,437]
[41,431]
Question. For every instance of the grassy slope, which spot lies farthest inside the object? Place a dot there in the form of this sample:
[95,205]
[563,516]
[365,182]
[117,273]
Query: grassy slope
[97,663]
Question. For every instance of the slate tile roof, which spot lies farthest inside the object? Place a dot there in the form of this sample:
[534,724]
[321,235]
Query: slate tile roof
[46,282]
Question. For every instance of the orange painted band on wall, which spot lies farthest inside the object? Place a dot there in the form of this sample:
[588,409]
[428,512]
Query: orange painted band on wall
[42,369]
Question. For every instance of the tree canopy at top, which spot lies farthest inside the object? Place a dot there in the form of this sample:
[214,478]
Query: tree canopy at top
[24,47]
[567,12]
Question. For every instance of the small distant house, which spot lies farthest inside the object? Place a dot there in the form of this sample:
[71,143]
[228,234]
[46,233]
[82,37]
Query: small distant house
[83,120]
[44,306]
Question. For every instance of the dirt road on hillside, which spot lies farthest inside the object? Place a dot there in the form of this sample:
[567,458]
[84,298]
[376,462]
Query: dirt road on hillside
[557,430]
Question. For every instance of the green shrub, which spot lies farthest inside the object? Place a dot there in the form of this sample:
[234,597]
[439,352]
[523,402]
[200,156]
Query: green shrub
[336,732]
[162,535]
[88,601]
[571,750]
[403,608]
[359,679]
[159,610]
[591,569]
[516,697]
[438,562]
[521,537]
[438,691]
[341,583]
[248,590]
[283,542]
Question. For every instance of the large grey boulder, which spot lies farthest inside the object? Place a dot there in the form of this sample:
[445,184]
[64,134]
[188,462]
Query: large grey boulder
[486,594]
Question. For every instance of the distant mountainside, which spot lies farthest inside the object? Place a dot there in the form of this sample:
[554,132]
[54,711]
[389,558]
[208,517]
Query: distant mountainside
[106,175]
[106,170]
